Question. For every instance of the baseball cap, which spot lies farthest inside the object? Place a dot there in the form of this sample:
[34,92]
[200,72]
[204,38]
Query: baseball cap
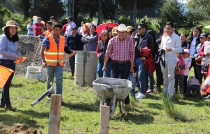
[69,18]
[203,35]
[52,17]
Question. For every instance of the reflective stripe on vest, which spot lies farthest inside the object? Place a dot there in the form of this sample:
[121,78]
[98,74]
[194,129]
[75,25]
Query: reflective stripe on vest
[55,52]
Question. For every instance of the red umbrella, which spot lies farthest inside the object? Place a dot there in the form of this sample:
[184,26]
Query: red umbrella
[105,26]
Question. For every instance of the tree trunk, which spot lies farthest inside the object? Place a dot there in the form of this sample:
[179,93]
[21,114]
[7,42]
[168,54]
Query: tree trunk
[134,12]
[36,8]
[116,14]
[72,9]
[99,12]
[69,7]
[26,7]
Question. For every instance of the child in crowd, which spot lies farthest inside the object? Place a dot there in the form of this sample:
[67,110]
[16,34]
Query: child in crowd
[188,61]
[30,28]
[179,73]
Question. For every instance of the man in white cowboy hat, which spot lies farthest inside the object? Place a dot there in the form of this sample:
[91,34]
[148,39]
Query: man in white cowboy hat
[121,50]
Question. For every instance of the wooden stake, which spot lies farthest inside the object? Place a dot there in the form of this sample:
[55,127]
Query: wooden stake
[54,123]
[104,113]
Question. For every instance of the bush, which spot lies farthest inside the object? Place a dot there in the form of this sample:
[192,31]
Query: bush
[124,20]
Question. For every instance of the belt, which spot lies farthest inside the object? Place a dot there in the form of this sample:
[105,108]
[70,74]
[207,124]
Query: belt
[121,62]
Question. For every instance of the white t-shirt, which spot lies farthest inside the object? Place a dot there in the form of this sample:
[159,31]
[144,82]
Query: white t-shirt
[192,46]
[30,29]
[69,28]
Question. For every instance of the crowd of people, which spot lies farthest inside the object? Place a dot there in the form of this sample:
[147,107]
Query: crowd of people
[123,52]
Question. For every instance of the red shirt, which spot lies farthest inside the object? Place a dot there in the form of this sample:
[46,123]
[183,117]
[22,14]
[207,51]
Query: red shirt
[38,31]
[64,28]
[120,50]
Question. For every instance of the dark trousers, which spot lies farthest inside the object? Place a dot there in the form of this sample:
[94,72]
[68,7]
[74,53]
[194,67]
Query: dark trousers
[185,84]
[198,73]
[5,99]
[193,64]
[179,80]
[122,70]
[159,75]
[72,64]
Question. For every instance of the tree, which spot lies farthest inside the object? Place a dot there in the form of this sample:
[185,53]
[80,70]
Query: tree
[100,11]
[173,11]
[201,6]
[116,14]
[36,8]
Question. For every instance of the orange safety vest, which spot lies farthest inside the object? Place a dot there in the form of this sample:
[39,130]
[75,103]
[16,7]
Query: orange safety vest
[55,52]
[46,33]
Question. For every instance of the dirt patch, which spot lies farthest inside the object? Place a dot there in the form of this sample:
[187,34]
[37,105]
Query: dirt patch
[21,129]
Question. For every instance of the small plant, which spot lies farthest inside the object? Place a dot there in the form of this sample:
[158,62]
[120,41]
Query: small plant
[175,112]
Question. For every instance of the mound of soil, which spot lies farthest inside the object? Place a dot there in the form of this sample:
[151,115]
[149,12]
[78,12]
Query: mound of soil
[22,129]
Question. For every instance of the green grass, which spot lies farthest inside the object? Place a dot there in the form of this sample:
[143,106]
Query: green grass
[80,112]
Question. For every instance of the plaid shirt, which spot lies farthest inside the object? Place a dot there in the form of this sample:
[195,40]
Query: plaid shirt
[120,50]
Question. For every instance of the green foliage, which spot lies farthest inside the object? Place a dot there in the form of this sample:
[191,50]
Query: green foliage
[173,11]
[124,20]
[4,15]
[200,6]
[173,111]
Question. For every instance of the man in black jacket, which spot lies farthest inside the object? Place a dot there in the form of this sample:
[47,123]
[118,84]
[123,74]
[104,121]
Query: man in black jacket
[73,42]
[142,39]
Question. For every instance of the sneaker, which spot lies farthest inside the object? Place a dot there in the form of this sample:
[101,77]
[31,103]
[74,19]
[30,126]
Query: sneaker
[9,107]
[149,91]
[137,94]
[140,96]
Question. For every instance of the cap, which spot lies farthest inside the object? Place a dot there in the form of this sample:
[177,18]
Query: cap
[203,35]
[186,50]
[52,17]
[39,18]
[69,18]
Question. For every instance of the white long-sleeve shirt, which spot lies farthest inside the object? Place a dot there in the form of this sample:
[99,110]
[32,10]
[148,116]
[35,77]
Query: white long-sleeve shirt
[173,42]
[69,28]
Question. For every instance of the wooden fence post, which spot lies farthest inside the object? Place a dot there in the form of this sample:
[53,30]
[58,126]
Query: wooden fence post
[55,108]
[104,117]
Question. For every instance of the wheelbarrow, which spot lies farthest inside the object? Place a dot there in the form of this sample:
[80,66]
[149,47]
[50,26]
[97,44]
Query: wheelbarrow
[113,89]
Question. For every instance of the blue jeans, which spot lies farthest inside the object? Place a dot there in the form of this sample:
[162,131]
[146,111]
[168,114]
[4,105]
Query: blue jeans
[123,70]
[151,80]
[58,72]
[108,69]
[132,79]
[5,99]
[142,75]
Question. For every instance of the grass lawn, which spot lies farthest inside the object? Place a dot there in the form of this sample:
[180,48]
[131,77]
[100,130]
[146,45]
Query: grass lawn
[80,112]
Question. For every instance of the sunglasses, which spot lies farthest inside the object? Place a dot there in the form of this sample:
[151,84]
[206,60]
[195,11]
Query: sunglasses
[103,35]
